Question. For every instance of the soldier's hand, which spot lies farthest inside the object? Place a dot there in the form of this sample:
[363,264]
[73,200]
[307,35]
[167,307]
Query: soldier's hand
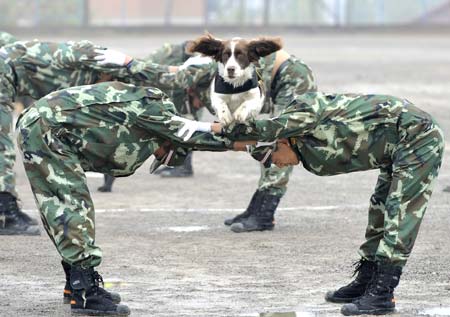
[284,154]
[189,127]
[195,60]
[112,57]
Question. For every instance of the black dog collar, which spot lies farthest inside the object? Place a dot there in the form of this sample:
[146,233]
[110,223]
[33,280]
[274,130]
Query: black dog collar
[222,87]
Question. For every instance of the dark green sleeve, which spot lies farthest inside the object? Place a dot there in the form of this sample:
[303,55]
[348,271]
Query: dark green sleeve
[156,120]
[156,75]
[299,118]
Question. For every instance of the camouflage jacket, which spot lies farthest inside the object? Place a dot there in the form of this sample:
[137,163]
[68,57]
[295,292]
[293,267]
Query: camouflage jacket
[292,78]
[43,67]
[169,54]
[335,134]
[114,126]
[175,55]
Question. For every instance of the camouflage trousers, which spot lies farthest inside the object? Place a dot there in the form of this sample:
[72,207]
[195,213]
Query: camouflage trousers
[274,179]
[403,190]
[56,157]
[64,202]
[7,152]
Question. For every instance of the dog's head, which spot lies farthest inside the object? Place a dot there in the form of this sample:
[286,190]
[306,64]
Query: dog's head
[235,56]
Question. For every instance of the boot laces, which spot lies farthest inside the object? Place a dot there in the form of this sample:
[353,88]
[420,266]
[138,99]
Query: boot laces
[361,269]
[98,279]
[378,285]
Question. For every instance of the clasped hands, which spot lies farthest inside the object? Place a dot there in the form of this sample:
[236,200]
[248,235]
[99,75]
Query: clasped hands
[281,154]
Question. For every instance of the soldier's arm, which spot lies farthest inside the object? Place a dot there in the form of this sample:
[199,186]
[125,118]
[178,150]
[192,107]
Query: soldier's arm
[169,77]
[118,65]
[298,119]
[157,120]
[295,80]
[148,73]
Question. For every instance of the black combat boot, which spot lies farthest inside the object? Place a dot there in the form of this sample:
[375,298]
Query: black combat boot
[107,185]
[12,220]
[379,296]
[364,272]
[250,210]
[184,170]
[88,298]
[113,297]
[263,216]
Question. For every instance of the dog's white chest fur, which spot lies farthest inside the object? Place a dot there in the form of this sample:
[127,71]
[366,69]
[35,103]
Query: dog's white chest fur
[238,107]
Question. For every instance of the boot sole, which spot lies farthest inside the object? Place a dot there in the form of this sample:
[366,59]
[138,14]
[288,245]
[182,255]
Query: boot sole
[91,312]
[4,232]
[229,223]
[383,311]
[241,230]
[176,176]
[66,300]
[339,300]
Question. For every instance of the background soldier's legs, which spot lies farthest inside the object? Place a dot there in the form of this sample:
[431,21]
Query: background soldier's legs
[7,153]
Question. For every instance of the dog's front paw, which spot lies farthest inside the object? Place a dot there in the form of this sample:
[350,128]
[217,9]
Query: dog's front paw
[243,114]
[225,116]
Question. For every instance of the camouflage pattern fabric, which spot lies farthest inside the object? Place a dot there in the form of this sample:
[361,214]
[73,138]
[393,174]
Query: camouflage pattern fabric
[6,38]
[175,55]
[191,84]
[293,78]
[109,128]
[7,152]
[335,134]
[35,68]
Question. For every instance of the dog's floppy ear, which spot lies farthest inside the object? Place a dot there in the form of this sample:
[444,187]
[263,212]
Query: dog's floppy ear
[263,47]
[207,45]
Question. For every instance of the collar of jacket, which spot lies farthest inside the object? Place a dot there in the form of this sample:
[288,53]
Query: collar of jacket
[222,87]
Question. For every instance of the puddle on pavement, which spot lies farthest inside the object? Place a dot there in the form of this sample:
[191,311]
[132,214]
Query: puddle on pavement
[288,314]
[437,311]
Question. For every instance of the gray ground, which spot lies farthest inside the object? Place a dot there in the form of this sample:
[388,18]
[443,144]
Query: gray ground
[167,252]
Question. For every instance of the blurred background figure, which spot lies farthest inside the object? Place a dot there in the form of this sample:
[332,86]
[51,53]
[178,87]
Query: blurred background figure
[189,101]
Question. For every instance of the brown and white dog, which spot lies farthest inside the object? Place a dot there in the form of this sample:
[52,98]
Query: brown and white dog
[235,92]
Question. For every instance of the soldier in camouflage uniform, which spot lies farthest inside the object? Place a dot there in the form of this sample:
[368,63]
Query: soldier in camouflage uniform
[187,100]
[37,68]
[335,134]
[284,76]
[109,128]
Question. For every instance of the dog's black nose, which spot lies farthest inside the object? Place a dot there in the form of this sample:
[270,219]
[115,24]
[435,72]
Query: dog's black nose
[231,70]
